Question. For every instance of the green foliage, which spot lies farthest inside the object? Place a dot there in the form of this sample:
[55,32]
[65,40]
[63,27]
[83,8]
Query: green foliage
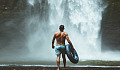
[114,3]
[8,6]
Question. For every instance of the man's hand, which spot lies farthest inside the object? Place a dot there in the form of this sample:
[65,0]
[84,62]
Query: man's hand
[53,46]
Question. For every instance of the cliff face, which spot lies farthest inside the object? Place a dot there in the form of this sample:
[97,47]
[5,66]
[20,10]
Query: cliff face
[12,6]
[110,25]
[11,30]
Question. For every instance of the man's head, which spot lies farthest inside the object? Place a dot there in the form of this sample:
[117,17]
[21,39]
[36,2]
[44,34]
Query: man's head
[61,27]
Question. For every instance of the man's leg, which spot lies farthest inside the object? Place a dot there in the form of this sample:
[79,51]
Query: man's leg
[58,62]
[64,60]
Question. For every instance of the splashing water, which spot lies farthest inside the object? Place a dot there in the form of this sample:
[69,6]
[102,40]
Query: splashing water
[31,2]
[82,20]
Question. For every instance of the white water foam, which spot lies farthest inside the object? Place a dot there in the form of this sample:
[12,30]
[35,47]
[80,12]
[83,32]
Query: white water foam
[82,20]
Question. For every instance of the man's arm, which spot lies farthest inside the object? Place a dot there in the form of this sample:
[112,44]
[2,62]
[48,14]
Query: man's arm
[53,41]
[69,40]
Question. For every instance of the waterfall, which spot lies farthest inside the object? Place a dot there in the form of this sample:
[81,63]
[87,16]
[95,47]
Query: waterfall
[82,20]
[31,2]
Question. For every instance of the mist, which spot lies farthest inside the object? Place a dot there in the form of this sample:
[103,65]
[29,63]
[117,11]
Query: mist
[29,37]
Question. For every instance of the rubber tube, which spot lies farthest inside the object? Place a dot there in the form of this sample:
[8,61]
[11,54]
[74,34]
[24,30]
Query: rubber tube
[72,54]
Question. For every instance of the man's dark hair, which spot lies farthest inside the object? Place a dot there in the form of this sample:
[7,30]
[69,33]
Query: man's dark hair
[61,27]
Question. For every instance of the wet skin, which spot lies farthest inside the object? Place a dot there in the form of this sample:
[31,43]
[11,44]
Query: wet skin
[60,38]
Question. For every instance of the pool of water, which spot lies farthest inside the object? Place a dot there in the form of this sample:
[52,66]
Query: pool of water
[83,63]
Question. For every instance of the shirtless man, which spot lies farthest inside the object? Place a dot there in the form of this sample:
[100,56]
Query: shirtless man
[60,46]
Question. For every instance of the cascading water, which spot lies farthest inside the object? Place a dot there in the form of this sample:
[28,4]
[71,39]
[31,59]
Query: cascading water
[82,20]
[82,23]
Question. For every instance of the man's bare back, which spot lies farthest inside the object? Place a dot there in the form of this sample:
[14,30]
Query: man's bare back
[60,38]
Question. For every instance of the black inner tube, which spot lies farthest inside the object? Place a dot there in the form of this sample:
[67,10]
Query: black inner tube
[72,54]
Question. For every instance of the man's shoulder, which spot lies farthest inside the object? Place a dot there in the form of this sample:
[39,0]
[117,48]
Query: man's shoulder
[56,32]
[59,32]
[65,33]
